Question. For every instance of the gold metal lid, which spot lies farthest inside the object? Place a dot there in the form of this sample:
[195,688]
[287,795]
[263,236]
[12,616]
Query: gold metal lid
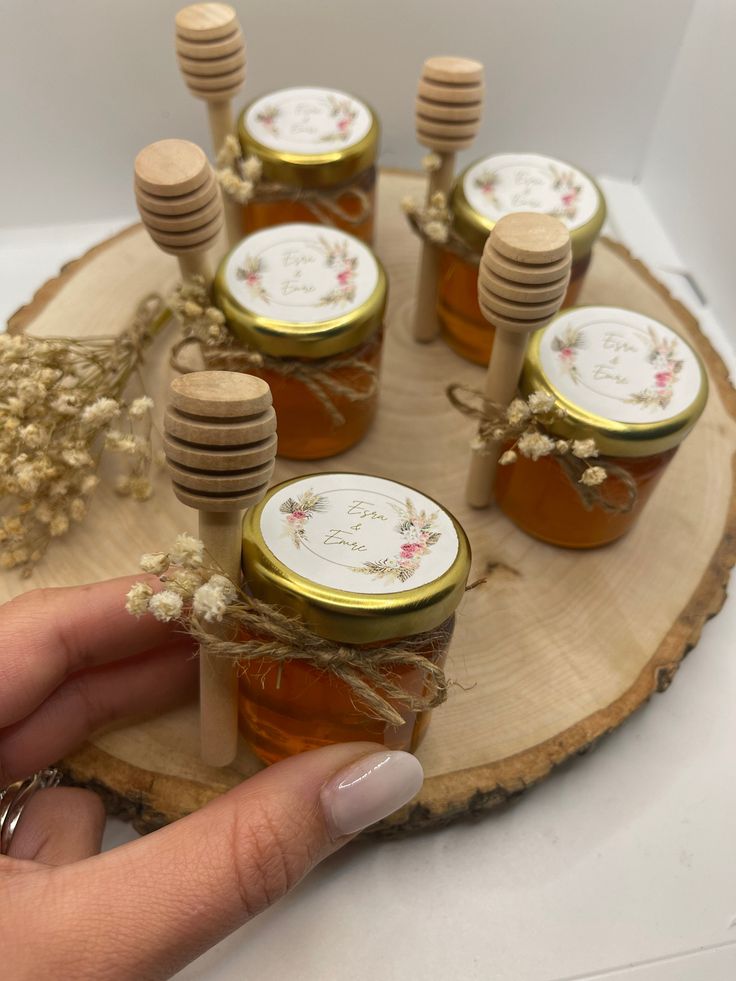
[359,559]
[507,182]
[301,290]
[624,379]
[310,137]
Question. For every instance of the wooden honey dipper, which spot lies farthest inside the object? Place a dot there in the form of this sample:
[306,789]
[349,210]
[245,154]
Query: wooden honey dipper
[179,202]
[220,445]
[522,280]
[448,111]
[210,50]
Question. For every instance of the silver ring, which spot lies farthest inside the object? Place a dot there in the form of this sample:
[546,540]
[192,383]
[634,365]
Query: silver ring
[15,797]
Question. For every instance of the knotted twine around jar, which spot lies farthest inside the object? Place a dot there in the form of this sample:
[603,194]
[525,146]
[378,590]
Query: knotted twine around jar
[240,178]
[497,424]
[204,326]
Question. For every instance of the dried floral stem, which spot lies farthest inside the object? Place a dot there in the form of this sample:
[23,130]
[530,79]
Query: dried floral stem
[526,426]
[204,325]
[241,180]
[58,397]
[196,595]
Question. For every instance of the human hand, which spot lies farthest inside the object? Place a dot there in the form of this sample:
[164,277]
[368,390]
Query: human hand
[72,660]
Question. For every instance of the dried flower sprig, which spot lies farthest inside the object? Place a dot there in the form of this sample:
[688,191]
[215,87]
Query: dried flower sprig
[432,220]
[58,398]
[199,319]
[527,425]
[238,176]
[261,636]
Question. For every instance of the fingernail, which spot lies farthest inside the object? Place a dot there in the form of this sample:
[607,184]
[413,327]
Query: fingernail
[369,789]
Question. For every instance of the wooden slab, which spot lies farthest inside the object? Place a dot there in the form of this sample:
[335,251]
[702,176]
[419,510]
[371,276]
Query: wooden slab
[554,652]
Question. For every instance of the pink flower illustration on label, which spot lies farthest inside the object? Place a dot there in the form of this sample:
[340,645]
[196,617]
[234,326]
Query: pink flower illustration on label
[419,534]
[667,365]
[267,118]
[343,112]
[486,183]
[567,344]
[339,258]
[298,511]
[251,273]
[566,183]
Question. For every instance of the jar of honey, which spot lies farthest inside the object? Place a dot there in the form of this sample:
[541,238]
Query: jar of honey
[483,193]
[318,148]
[361,561]
[627,382]
[309,300]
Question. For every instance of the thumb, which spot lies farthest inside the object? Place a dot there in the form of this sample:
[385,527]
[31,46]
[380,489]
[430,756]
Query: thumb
[145,909]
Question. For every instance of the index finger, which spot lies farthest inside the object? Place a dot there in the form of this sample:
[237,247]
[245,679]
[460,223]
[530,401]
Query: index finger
[48,634]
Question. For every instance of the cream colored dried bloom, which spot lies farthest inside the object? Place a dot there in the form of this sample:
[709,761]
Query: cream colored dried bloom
[436,231]
[215,315]
[431,162]
[562,447]
[508,457]
[517,412]
[228,588]
[192,309]
[89,483]
[438,201]
[409,206]
[584,448]
[252,169]
[59,525]
[101,411]
[541,403]
[155,562]
[187,551]
[77,458]
[166,605]
[593,476]
[535,445]
[185,581]
[77,509]
[136,601]
[140,488]
[140,407]
[210,602]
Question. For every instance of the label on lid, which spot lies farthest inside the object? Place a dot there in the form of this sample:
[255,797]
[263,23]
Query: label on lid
[308,120]
[620,365]
[510,182]
[359,534]
[301,274]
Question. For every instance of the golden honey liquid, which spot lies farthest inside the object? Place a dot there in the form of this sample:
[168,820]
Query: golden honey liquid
[264,214]
[286,708]
[540,498]
[464,327]
[306,430]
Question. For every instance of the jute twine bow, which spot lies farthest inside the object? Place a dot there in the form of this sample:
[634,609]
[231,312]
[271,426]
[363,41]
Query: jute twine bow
[325,205]
[317,377]
[494,427]
[369,672]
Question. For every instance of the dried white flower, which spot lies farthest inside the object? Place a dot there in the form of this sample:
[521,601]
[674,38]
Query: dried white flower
[166,605]
[593,476]
[436,231]
[156,562]
[584,448]
[140,407]
[541,403]
[185,581]
[136,601]
[59,525]
[209,602]
[431,162]
[187,551]
[100,412]
[535,445]
[508,457]
[517,412]
[252,169]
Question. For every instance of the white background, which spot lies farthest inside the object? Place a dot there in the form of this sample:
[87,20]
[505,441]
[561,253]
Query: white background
[623,864]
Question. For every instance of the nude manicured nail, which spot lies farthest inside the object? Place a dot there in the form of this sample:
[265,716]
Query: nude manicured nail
[369,789]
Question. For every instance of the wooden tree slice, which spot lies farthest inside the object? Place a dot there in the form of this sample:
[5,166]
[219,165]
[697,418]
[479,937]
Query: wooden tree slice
[558,647]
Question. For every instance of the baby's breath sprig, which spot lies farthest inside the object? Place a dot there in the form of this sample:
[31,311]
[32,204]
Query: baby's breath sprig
[238,176]
[59,397]
[432,220]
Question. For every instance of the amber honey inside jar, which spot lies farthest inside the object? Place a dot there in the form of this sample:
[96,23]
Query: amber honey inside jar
[366,563]
[632,385]
[309,301]
[485,192]
[318,150]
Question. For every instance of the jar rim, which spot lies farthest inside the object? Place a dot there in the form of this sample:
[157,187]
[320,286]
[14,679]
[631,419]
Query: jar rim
[279,337]
[341,614]
[613,438]
[313,170]
[474,228]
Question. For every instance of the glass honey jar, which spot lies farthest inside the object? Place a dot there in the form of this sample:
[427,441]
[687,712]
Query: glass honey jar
[320,146]
[485,192]
[361,561]
[309,300]
[626,381]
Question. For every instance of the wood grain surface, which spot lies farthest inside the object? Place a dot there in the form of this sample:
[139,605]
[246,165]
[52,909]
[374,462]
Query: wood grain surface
[554,652]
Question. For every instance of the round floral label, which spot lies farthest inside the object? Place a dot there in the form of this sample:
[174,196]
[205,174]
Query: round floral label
[359,534]
[302,274]
[620,365]
[308,120]
[510,182]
